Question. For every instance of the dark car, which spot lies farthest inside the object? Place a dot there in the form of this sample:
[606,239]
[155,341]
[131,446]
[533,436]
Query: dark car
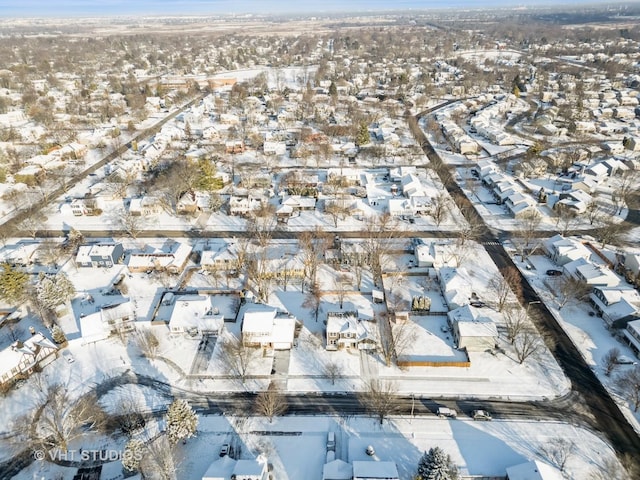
[554,273]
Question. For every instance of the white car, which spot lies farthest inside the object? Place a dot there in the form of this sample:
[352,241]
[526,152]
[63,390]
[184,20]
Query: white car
[68,356]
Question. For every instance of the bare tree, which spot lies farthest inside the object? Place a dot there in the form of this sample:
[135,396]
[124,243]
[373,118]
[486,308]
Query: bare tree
[237,357]
[379,399]
[557,451]
[527,343]
[566,217]
[530,221]
[132,224]
[271,402]
[33,224]
[313,300]
[440,206]
[313,245]
[59,419]
[341,283]
[147,342]
[610,361]
[504,283]
[569,289]
[608,231]
[129,415]
[628,382]
[515,319]
[398,338]
[158,460]
[332,370]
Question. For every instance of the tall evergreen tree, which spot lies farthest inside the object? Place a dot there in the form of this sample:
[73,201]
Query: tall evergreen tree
[182,421]
[13,283]
[436,465]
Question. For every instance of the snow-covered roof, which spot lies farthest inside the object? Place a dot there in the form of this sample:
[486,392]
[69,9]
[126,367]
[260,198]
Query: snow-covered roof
[22,355]
[337,470]
[194,311]
[534,470]
[370,470]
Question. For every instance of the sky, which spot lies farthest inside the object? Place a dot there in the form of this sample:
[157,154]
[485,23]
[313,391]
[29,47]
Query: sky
[38,8]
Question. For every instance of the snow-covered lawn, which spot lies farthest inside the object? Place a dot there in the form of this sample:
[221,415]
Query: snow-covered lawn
[297,446]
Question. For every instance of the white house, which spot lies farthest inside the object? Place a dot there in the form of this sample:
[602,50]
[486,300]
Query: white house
[264,326]
[616,304]
[375,470]
[23,357]
[472,331]
[337,470]
[227,468]
[564,250]
[534,470]
[632,262]
[347,330]
[596,275]
[195,315]
[456,285]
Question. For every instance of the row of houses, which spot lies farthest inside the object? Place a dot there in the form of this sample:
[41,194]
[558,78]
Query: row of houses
[617,302]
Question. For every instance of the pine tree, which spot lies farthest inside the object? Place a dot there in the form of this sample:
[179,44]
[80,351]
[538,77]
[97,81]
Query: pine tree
[58,335]
[436,465]
[362,137]
[333,90]
[54,290]
[182,421]
[13,284]
[132,455]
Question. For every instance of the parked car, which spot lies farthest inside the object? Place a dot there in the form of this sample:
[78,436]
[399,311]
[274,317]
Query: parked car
[224,449]
[481,415]
[68,356]
[447,412]
[331,441]
[624,360]
[554,273]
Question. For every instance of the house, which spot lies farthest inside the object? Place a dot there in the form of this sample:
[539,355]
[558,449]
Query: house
[632,263]
[274,148]
[192,202]
[456,285]
[22,358]
[370,470]
[227,468]
[534,470]
[337,470]
[619,304]
[195,315]
[99,255]
[596,275]
[400,207]
[348,330]
[264,326]
[147,205]
[243,205]
[632,336]
[426,255]
[471,331]
[172,258]
[82,206]
[564,250]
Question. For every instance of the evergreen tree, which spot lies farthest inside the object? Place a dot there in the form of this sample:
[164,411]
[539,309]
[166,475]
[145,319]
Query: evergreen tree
[58,335]
[13,283]
[54,290]
[333,90]
[132,455]
[182,421]
[436,465]
[362,137]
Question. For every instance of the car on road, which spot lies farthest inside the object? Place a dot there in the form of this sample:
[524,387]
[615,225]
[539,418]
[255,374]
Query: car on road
[481,415]
[554,273]
[624,360]
[224,449]
[444,412]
